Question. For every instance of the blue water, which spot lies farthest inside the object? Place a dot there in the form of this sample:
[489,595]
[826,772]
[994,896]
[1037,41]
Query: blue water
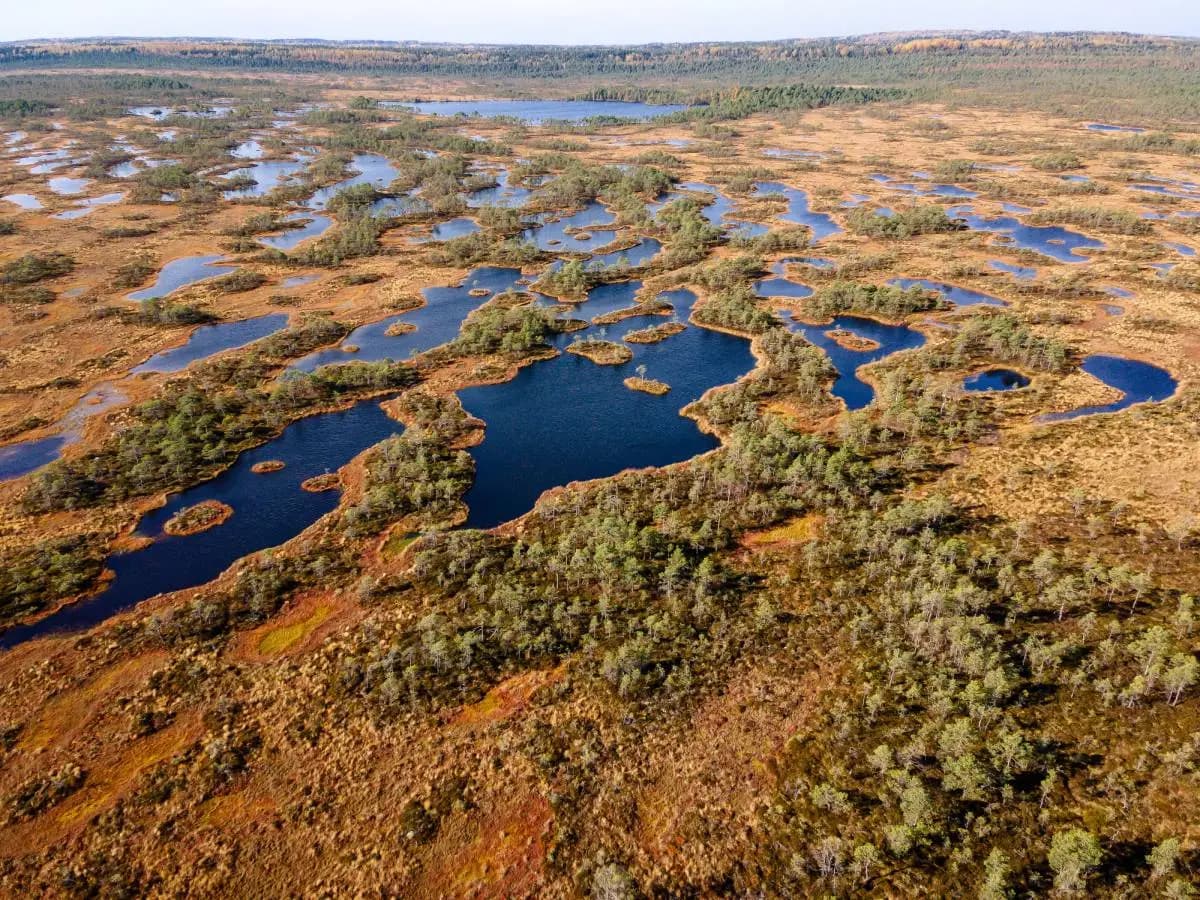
[445,231]
[855,392]
[718,212]
[1106,128]
[67,186]
[1050,240]
[641,252]
[158,113]
[746,230]
[959,296]
[778,153]
[24,457]
[127,169]
[368,168]
[1076,179]
[607,298]
[25,201]
[1023,273]
[1114,291]
[503,194]
[1183,192]
[45,161]
[268,175]
[552,235]
[822,263]
[315,226]
[437,322]
[995,380]
[268,509]
[180,273]
[396,206]
[1140,382]
[781,287]
[89,205]
[714,212]
[535,112]
[210,339]
[821,225]
[248,150]
[1181,249]
[925,190]
[568,419]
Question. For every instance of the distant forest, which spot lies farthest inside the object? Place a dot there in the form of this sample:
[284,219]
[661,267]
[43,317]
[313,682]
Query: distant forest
[1069,72]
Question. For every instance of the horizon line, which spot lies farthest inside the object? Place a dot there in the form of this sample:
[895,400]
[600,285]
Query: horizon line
[908,33]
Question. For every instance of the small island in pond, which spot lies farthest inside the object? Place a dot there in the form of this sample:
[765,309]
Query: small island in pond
[647,385]
[193,519]
[602,353]
[329,481]
[654,333]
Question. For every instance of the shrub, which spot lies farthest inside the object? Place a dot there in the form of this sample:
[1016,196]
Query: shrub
[1057,162]
[927,218]
[33,267]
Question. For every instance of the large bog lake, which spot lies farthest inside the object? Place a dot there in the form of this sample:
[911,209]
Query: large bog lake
[536,112]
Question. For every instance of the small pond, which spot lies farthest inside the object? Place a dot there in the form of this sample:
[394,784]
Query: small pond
[1138,381]
[995,380]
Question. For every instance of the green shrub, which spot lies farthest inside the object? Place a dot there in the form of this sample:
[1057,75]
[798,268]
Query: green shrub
[33,267]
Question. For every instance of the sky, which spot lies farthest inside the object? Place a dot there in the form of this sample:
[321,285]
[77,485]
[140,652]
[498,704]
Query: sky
[576,22]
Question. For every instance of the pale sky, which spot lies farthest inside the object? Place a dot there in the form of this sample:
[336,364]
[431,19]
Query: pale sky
[580,21]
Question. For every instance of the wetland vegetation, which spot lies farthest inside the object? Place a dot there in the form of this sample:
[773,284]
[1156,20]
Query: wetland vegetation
[395,475]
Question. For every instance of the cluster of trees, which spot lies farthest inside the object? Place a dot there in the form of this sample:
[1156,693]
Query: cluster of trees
[481,246]
[198,426]
[151,183]
[942,735]
[789,367]
[1162,140]
[20,108]
[687,233]
[641,598]
[498,327]
[1060,161]
[34,267]
[1097,218]
[572,280]
[885,300]
[1002,337]
[575,183]
[34,577]
[777,240]
[735,308]
[920,218]
[355,236]
[417,476]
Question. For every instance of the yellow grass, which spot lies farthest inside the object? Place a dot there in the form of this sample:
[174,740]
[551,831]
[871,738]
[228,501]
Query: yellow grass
[280,639]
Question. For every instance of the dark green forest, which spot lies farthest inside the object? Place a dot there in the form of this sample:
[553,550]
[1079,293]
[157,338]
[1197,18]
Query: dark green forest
[1155,76]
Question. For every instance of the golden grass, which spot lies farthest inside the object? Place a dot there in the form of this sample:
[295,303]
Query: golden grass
[797,531]
[63,715]
[277,640]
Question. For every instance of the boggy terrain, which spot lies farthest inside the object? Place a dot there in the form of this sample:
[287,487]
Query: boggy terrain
[878,581]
